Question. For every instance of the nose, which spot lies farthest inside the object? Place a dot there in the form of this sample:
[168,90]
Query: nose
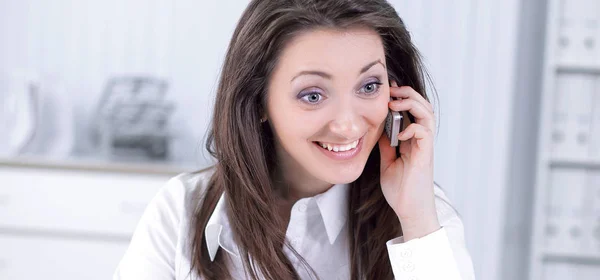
[346,121]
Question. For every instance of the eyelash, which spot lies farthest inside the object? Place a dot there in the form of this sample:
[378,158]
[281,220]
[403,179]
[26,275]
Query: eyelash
[303,95]
[378,83]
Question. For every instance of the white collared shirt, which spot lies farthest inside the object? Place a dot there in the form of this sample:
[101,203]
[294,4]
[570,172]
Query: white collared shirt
[160,246]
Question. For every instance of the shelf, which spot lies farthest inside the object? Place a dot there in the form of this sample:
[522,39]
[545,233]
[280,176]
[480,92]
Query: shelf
[590,163]
[589,68]
[98,165]
[582,258]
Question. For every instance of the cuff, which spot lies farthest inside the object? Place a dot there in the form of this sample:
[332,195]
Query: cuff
[426,258]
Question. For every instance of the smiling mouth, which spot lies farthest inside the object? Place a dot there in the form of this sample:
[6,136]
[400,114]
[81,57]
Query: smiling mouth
[338,147]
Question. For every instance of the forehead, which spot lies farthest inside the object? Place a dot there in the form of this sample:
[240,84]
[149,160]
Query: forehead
[332,49]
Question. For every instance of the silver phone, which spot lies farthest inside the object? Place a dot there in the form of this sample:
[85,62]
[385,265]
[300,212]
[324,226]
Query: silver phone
[393,123]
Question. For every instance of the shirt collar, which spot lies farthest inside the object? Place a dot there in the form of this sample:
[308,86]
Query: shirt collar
[332,204]
[218,231]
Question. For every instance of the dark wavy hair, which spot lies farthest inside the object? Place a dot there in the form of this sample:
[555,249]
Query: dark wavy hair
[244,147]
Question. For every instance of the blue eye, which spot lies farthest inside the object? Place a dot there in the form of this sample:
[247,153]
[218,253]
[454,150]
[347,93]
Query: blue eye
[370,88]
[312,97]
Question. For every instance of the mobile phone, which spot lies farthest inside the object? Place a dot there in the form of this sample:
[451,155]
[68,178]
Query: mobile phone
[393,123]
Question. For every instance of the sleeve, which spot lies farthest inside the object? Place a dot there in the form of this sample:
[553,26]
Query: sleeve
[151,252]
[438,255]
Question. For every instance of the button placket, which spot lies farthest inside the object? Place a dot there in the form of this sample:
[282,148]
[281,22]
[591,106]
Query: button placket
[408,267]
[406,253]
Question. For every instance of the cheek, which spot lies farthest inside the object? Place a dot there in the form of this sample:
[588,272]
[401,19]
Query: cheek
[290,124]
[378,111]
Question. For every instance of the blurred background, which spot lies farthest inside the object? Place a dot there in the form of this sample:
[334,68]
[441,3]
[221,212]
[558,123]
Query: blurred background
[102,101]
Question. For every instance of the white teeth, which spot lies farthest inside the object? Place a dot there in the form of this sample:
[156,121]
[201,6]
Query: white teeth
[339,148]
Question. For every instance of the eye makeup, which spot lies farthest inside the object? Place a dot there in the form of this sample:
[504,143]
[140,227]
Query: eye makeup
[314,95]
[370,87]
[311,97]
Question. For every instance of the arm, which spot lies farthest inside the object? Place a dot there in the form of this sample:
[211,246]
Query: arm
[441,254]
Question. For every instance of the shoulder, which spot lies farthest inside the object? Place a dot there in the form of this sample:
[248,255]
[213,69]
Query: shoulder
[192,183]
[160,238]
[183,192]
[175,202]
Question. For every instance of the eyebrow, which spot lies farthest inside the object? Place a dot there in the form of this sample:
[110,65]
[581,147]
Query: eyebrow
[328,76]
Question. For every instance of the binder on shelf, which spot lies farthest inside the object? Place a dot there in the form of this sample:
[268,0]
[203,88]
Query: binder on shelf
[595,123]
[590,22]
[572,116]
[593,219]
[589,216]
[570,47]
[581,114]
[559,146]
[554,210]
[565,211]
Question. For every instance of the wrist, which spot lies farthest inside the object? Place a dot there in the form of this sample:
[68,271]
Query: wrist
[419,227]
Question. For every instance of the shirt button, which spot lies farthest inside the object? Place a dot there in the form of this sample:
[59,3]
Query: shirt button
[408,267]
[302,207]
[406,253]
[295,242]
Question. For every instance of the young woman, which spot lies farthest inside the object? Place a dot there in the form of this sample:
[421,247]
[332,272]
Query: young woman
[307,185]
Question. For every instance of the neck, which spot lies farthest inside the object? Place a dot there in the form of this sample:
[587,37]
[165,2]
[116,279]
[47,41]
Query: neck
[292,182]
[292,186]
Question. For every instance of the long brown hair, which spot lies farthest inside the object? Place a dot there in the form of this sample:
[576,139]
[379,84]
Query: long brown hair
[244,147]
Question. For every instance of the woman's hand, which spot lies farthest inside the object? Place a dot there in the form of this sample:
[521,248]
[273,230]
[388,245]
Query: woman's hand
[407,181]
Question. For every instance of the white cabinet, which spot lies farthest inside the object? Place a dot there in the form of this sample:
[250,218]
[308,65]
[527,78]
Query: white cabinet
[42,257]
[74,201]
[566,240]
[69,224]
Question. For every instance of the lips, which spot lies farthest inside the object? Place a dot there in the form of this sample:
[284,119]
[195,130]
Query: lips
[339,147]
[344,151]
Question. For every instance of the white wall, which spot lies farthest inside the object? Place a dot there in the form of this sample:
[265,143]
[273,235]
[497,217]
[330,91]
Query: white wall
[469,47]
[525,129]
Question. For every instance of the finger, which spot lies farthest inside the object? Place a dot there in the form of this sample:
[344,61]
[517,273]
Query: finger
[423,143]
[405,148]
[422,115]
[422,134]
[387,153]
[409,92]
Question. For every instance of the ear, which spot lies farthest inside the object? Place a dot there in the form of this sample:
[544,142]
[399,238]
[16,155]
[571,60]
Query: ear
[263,114]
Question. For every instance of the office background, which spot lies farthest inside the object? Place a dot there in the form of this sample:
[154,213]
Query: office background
[486,59]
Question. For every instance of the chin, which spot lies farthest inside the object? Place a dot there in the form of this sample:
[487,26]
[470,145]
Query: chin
[342,174]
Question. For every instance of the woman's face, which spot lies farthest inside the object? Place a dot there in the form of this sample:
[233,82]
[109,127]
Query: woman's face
[327,101]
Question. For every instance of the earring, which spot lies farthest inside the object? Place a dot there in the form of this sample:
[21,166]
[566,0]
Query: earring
[263,119]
